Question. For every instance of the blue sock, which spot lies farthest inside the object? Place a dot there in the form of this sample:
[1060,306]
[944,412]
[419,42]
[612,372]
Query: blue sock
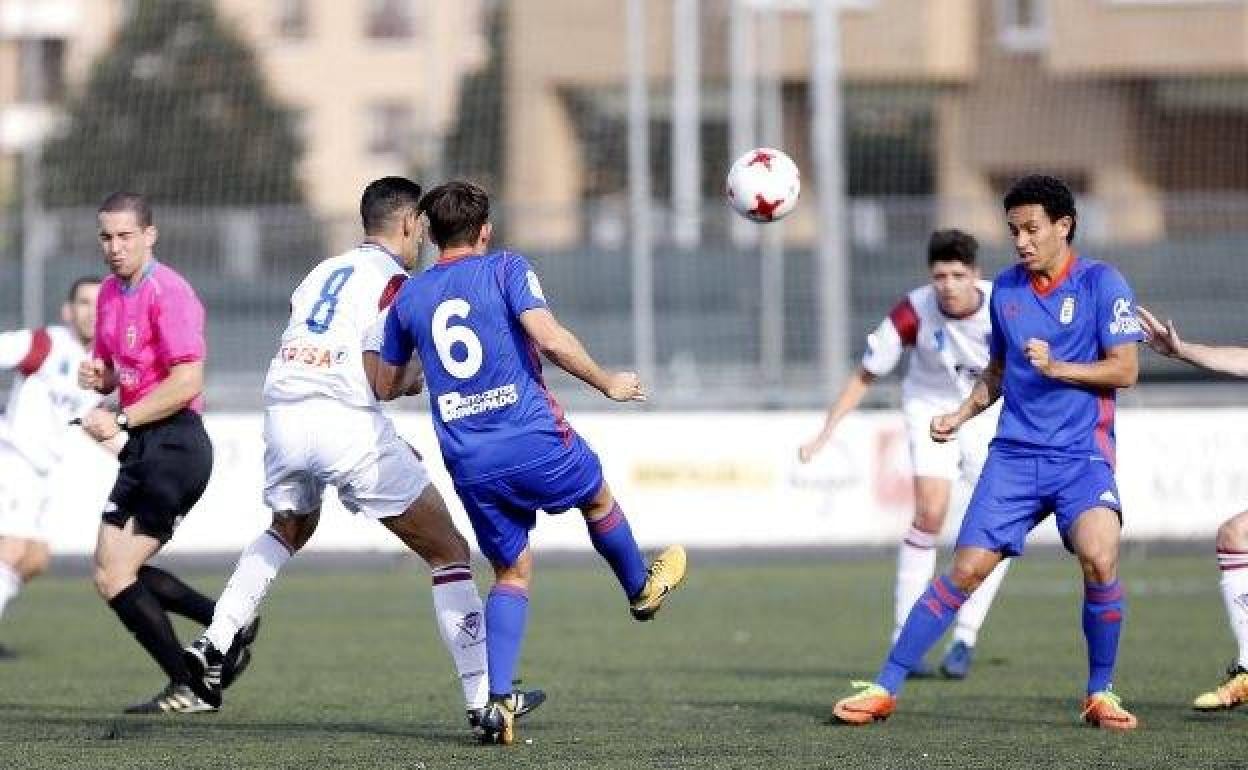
[506,611]
[1103,609]
[613,538]
[928,620]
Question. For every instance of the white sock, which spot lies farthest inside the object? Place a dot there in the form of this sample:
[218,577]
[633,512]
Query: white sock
[247,587]
[1234,568]
[10,585]
[916,563]
[975,609]
[461,623]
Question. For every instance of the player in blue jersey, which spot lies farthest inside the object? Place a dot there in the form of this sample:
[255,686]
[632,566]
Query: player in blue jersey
[1064,339]
[477,321]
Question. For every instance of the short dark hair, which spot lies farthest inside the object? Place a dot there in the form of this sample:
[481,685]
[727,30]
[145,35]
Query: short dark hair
[383,199]
[85,280]
[1048,192]
[952,246]
[456,211]
[128,201]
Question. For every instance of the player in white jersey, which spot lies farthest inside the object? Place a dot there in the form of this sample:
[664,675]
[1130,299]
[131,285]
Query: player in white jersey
[946,327]
[43,400]
[324,426]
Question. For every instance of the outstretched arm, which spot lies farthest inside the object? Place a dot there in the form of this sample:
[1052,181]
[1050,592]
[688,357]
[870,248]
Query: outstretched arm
[986,391]
[566,351]
[1164,339]
[850,397]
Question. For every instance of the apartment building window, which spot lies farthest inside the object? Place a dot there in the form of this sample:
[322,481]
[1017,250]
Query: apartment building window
[41,71]
[389,129]
[390,19]
[1023,25]
[291,19]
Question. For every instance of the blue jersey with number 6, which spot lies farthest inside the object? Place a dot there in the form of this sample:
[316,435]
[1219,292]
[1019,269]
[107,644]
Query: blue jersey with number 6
[491,409]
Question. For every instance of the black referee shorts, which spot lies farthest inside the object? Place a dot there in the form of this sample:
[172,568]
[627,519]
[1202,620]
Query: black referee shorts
[164,470]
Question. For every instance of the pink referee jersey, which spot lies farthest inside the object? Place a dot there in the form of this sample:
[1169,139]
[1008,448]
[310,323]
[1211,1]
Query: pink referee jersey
[147,330]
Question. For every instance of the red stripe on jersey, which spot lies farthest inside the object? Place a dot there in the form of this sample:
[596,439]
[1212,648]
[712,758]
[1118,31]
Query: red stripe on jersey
[1104,419]
[565,430]
[905,321]
[40,347]
[391,291]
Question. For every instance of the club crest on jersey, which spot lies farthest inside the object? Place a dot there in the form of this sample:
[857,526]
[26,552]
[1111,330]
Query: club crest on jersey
[939,335]
[1067,313]
[132,336]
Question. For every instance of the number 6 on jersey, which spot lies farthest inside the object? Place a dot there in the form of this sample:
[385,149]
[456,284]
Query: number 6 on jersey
[446,334]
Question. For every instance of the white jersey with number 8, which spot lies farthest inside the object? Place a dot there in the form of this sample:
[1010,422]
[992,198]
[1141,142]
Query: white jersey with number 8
[336,314]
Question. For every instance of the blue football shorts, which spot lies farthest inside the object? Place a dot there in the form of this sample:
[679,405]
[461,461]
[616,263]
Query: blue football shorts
[503,509]
[1018,490]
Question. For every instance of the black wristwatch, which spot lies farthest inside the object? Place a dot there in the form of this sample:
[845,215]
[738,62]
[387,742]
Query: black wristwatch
[123,421]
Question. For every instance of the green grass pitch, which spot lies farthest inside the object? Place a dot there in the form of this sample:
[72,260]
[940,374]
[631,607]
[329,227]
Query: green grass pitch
[738,671]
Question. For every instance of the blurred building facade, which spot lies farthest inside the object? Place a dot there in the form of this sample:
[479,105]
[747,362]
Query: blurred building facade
[1130,100]
[372,83]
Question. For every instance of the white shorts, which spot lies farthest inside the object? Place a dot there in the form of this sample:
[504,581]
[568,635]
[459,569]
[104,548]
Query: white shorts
[23,497]
[317,442]
[963,456]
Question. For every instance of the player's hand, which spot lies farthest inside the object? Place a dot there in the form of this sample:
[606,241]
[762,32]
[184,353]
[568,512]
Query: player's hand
[944,426]
[414,380]
[1038,354]
[624,386]
[91,374]
[100,424]
[1162,338]
[806,452]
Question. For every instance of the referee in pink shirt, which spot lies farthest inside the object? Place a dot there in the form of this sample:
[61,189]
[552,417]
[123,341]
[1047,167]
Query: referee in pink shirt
[149,342]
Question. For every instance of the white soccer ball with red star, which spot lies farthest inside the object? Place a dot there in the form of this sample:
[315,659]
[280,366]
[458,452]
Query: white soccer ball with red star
[764,185]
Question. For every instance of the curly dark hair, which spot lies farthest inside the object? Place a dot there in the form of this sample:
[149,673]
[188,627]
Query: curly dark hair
[952,246]
[1048,192]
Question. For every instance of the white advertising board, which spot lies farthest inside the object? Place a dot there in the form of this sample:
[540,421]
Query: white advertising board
[715,480]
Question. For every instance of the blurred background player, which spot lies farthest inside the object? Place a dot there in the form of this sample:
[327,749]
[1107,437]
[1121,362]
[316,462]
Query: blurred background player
[478,319]
[946,326]
[324,426]
[149,342]
[34,429]
[1063,341]
[1232,538]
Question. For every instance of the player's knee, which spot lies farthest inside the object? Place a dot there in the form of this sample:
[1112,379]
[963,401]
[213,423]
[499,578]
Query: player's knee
[110,581]
[967,576]
[1233,533]
[1099,565]
[929,520]
[294,531]
[519,573]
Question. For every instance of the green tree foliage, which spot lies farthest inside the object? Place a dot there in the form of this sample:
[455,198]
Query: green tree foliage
[176,109]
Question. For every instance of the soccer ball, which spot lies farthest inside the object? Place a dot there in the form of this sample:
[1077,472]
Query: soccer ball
[763,185]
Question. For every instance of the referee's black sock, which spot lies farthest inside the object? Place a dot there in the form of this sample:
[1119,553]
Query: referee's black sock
[140,612]
[176,596]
